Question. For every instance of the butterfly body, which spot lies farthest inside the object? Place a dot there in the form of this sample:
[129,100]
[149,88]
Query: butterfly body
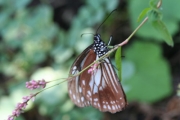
[99,46]
[101,88]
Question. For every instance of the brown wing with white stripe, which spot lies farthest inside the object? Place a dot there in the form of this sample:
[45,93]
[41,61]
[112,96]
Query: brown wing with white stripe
[107,92]
[101,89]
[77,85]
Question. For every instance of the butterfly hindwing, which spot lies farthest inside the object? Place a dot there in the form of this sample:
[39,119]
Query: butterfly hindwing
[107,92]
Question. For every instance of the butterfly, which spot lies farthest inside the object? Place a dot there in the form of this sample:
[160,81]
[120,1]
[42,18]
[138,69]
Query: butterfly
[101,88]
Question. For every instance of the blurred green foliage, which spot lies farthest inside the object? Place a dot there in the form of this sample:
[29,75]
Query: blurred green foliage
[150,71]
[32,46]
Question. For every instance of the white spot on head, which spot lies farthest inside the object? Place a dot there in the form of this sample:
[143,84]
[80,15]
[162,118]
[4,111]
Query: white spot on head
[104,106]
[122,103]
[95,99]
[82,99]
[120,98]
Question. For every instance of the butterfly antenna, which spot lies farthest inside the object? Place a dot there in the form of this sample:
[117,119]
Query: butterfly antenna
[105,20]
[110,40]
[86,33]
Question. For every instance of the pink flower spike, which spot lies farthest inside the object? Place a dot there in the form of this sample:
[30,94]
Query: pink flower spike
[10,118]
[16,112]
[36,84]
[27,98]
[21,106]
[33,98]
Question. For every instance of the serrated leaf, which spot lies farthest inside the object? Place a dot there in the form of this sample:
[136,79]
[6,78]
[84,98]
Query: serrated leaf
[161,28]
[118,62]
[143,13]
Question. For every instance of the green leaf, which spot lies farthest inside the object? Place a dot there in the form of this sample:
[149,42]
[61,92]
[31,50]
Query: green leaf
[143,13]
[170,18]
[151,79]
[160,26]
[118,62]
[153,4]
[154,15]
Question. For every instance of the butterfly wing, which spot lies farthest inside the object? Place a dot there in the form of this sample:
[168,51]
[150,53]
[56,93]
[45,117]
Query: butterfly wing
[77,85]
[101,89]
[107,92]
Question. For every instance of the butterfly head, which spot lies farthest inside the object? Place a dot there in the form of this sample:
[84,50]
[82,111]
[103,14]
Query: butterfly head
[100,48]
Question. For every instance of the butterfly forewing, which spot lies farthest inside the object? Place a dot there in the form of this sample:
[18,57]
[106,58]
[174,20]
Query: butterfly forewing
[102,88]
[75,84]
